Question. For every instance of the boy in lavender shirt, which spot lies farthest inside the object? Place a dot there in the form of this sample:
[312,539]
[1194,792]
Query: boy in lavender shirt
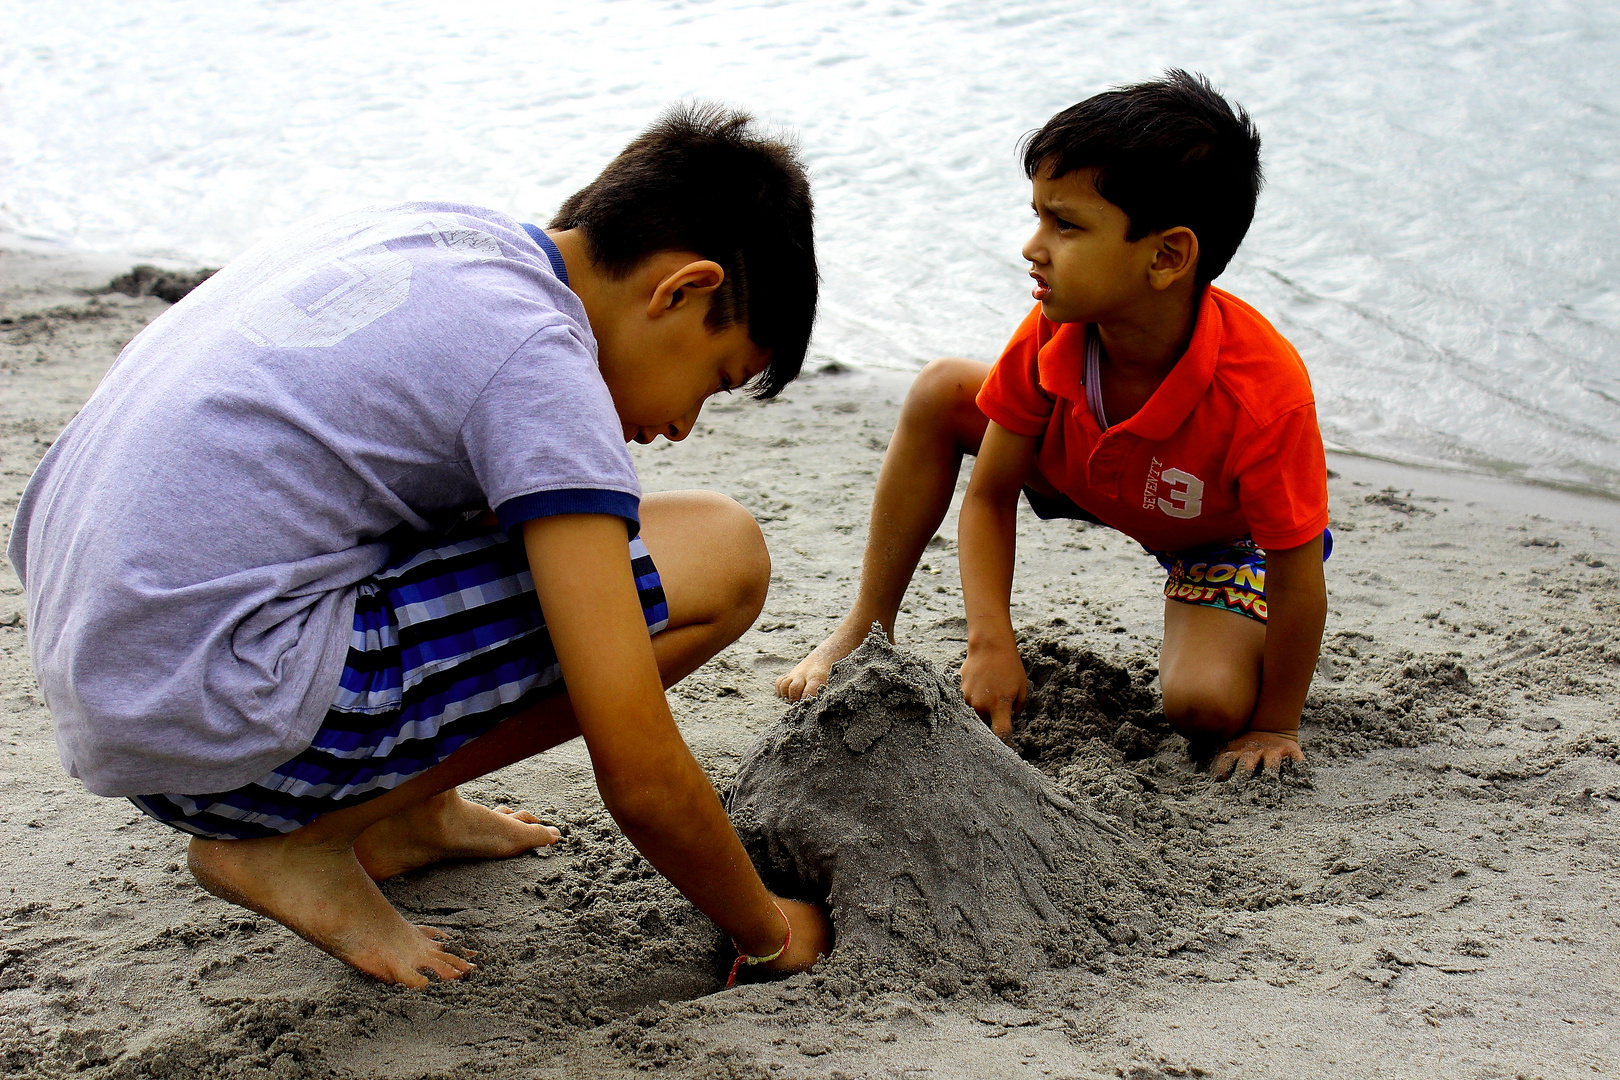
[355,523]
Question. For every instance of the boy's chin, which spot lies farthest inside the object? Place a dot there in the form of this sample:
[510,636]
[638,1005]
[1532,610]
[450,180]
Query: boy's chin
[1055,312]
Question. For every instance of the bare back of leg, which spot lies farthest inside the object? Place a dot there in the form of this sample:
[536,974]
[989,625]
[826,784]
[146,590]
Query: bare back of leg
[1209,670]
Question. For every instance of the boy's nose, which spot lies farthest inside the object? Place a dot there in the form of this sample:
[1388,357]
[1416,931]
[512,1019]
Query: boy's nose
[681,428]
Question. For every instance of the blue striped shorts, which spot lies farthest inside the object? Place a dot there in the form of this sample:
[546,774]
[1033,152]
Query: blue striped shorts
[448,641]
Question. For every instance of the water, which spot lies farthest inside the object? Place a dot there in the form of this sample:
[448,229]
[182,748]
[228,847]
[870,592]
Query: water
[1440,234]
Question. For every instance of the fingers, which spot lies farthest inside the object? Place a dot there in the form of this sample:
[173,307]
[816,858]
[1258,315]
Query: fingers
[1001,720]
[1246,757]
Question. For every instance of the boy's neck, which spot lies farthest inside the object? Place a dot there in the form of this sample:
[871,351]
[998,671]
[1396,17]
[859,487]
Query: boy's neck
[584,278]
[1143,343]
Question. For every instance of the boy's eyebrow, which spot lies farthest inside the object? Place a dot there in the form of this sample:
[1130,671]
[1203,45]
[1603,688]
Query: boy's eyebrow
[1058,207]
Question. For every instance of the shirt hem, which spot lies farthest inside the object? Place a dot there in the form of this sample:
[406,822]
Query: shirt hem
[1014,424]
[1290,540]
[537,504]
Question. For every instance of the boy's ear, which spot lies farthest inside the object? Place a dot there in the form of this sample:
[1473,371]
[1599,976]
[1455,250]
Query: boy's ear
[684,286]
[1174,257]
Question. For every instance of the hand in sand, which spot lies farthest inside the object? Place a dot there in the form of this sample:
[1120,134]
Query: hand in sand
[810,941]
[994,684]
[1256,751]
[811,673]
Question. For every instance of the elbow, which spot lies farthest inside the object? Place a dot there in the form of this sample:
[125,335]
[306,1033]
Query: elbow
[989,502]
[645,805]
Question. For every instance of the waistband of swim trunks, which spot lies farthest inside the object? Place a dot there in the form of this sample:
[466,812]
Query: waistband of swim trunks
[1210,552]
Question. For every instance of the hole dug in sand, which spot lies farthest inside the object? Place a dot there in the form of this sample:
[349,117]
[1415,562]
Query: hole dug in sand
[1078,696]
[940,852]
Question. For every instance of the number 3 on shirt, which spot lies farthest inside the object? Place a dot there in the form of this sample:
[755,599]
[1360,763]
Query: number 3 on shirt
[1186,494]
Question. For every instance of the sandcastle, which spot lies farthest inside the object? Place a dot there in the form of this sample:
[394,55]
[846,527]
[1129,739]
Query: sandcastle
[932,842]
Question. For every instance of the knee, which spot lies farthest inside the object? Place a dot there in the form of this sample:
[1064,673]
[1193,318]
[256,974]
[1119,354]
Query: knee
[742,562]
[1204,712]
[945,387]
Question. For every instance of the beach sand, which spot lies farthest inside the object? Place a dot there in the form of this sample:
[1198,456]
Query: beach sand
[1437,898]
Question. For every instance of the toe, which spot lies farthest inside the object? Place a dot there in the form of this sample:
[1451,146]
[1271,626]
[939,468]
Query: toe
[447,966]
[432,933]
[408,977]
[461,964]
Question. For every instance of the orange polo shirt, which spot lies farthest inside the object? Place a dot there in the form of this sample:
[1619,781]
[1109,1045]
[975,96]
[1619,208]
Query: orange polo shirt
[1226,447]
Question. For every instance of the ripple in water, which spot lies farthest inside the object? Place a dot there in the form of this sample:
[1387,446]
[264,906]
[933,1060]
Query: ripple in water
[1439,235]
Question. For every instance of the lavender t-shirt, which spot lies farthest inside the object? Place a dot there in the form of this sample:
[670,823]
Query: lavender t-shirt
[191,543]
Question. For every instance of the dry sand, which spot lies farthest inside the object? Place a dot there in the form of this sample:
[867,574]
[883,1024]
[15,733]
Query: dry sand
[1437,898]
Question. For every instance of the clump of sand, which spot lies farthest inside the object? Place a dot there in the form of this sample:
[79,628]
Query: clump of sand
[169,285]
[937,848]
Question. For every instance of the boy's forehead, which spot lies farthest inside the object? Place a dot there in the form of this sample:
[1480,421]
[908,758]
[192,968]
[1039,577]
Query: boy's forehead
[1071,193]
[1078,188]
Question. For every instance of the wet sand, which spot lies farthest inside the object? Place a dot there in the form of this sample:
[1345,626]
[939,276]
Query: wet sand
[1438,898]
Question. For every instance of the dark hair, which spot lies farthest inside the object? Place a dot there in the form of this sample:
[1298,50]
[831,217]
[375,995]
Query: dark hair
[703,180]
[1167,152]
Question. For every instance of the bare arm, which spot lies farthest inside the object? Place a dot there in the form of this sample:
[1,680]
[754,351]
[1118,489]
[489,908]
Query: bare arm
[1296,611]
[993,675]
[648,778]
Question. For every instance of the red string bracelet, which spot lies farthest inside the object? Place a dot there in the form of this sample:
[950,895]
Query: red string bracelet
[744,958]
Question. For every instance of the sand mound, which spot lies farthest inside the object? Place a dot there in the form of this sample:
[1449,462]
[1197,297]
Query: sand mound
[933,843]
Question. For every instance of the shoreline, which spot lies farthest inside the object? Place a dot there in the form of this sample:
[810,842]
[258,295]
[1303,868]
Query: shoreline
[36,274]
[1434,900]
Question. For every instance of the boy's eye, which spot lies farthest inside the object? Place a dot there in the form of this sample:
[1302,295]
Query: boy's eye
[1065,226]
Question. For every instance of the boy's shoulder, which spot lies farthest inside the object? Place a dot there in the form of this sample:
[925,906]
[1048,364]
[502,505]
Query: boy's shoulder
[1256,367]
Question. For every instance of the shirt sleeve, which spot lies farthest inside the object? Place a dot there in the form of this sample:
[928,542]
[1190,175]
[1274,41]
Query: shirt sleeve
[1011,394]
[542,438]
[1282,481]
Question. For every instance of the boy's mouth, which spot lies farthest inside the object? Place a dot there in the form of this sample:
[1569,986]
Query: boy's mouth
[1041,290]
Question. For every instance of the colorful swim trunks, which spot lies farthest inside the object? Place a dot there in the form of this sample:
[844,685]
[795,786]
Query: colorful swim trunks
[448,641]
[1229,576]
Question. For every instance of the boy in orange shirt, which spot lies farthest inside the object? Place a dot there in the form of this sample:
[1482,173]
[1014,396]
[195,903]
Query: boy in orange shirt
[1140,396]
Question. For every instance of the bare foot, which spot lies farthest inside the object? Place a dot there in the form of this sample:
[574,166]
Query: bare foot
[448,827]
[811,674]
[318,890]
